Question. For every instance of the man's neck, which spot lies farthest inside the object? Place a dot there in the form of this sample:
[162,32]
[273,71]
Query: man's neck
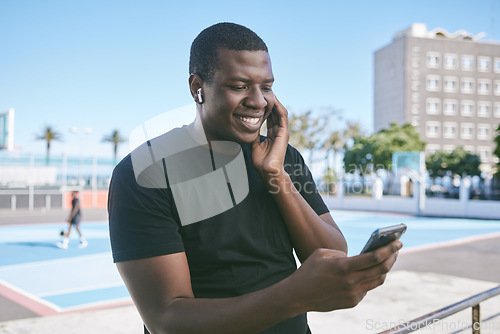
[197,132]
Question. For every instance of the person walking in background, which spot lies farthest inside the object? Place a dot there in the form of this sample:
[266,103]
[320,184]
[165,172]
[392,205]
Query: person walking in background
[73,219]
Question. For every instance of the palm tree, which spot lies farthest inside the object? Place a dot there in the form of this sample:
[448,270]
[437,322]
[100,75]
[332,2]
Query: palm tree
[333,144]
[48,134]
[352,132]
[115,139]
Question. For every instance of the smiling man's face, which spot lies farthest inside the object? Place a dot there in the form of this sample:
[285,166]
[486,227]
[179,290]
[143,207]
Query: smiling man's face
[240,96]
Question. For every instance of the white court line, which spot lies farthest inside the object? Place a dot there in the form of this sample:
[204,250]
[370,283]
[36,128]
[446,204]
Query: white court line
[30,296]
[88,288]
[450,243]
[55,261]
[97,304]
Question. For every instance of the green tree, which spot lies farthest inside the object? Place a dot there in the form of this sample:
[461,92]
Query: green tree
[437,164]
[115,139]
[359,158]
[496,152]
[297,127]
[396,138]
[305,132]
[353,131]
[379,147]
[369,154]
[329,178]
[458,162]
[332,145]
[48,134]
[463,163]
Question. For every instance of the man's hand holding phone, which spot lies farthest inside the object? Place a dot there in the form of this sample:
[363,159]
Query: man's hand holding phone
[329,280]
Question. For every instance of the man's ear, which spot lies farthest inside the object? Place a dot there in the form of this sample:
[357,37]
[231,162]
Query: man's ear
[195,83]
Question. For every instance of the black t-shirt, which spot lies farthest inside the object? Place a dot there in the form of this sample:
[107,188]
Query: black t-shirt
[76,202]
[243,249]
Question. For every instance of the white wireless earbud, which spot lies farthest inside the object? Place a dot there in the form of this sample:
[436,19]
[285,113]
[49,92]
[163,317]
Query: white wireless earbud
[200,97]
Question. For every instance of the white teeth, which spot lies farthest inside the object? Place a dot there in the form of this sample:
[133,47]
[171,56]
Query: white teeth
[251,120]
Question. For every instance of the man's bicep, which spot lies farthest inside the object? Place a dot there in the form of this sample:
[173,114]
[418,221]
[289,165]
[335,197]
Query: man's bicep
[154,282]
[327,218]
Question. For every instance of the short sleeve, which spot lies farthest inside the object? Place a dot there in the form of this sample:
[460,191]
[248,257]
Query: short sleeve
[303,181]
[141,220]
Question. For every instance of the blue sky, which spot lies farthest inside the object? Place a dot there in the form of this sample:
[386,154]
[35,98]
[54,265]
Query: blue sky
[115,64]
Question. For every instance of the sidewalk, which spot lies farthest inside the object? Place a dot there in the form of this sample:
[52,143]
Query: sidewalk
[405,296]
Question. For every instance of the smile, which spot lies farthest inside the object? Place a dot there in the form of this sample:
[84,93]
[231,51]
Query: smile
[249,120]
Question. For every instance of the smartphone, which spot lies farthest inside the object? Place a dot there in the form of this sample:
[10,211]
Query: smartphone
[383,236]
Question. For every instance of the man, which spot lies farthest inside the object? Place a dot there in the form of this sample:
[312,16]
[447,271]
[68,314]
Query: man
[74,218]
[232,270]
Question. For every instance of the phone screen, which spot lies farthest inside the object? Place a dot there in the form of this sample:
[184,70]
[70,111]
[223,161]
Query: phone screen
[384,236]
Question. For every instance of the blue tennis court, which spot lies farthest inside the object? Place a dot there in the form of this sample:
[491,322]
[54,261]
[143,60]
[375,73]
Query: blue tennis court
[60,280]
[35,270]
[357,227]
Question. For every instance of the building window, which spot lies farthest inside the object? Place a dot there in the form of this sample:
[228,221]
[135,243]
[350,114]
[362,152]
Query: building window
[414,121]
[469,149]
[467,63]
[467,108]
[483,64]
[450,61]
[483,109]
[450,107]
[448,148]
[467,85]
[483,131]
[483,86]
[433,82]
[496,87]
[433,106]
[467,131]
[484,153]
[449,130]
[432,148]
[496,110]
[433,59]
[496,65]
[450,84]
[432,129]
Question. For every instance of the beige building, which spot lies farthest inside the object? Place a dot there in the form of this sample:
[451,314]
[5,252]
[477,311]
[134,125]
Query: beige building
[446,84]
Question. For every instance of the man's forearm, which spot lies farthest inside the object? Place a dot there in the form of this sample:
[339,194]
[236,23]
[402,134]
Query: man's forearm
[249,313]
[307,230]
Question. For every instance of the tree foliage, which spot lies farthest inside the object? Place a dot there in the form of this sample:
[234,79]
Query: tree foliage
[496,152]
[305,132]
[116,139]
[48,134]
[458,162]
[375,152]
[436,164]
[352,133]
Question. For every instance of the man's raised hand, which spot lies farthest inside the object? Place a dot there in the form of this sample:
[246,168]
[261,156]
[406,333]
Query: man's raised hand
[268,156]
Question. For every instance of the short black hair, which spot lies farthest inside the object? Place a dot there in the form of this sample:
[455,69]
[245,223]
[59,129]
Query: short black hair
[203,59]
